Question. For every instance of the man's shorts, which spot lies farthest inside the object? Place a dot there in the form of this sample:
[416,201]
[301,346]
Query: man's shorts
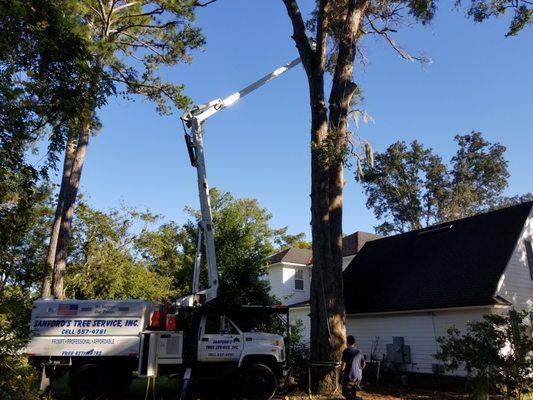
[349,389]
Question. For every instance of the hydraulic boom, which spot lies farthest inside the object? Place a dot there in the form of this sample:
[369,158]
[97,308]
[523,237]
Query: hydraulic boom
[194,119]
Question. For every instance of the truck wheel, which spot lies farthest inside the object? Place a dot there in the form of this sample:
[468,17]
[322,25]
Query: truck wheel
[258,382]
[88,382]
[119,378]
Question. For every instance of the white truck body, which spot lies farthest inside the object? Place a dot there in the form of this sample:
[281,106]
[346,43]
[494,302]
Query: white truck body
[74,328]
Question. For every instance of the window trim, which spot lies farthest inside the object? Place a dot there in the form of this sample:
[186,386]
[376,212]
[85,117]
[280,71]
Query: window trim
[297,279]
[528,243]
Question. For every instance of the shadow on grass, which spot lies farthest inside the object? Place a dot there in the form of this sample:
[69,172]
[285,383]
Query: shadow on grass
[166,388]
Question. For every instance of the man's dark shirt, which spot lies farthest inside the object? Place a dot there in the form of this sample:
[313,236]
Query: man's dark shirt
[348,356]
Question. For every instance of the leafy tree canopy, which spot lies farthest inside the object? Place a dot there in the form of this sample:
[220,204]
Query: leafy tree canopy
[24,230]
[411,187]
[132,39]
[521,10]
[17,377]
[243,241]
[103,265]
[44,61]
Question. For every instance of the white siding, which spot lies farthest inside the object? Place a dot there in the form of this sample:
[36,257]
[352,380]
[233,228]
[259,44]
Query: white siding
[281,277]
[275,277]
[302,314]
[290,294]
[419,330]
[516,284]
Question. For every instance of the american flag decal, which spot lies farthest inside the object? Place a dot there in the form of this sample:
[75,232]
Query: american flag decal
[67,309]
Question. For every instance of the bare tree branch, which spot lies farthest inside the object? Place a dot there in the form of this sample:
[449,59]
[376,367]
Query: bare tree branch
[401,51]
[127,27]
[157,11]
[147,45]
[119,8]
[200,4]
[299,35]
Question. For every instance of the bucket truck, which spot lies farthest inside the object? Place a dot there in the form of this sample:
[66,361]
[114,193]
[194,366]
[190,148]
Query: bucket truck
[101,342]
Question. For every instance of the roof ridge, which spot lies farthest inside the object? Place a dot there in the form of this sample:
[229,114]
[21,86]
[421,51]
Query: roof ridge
[451,222]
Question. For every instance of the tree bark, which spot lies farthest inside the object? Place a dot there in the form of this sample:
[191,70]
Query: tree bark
[341,94]
[65,229]
[328,145]
[323,354]
[70,152]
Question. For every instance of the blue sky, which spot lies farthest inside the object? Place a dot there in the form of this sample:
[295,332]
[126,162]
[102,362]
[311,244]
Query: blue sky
[259,148]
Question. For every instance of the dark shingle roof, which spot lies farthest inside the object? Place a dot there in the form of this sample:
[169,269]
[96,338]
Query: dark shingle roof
[352,244]
[292,255]
[456,264]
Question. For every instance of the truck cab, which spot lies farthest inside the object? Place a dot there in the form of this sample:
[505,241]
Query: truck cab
[219,343]
[221,340]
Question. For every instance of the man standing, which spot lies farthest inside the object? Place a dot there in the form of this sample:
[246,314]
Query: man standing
[351,369]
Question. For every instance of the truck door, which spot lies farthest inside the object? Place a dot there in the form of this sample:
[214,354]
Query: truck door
[219,339]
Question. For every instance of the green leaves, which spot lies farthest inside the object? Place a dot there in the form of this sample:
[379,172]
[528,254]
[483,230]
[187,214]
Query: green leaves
[522,10]
[131,40]
[423,10]
[495,352]
[243,241]
[103,261]
[479,174]
[119,254]
[410,187]
[24,228]
[17,377]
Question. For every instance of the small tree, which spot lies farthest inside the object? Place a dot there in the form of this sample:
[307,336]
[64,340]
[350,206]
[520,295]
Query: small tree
[243,241]
[495,352]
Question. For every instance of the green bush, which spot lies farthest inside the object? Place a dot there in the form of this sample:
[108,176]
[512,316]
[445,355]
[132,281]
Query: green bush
[496,354]
[17,377]
[298,355]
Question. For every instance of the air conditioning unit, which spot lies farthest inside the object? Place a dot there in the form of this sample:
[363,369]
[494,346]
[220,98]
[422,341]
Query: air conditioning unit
[398,352]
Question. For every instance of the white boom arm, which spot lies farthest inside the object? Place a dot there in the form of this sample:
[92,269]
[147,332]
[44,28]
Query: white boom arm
[194,119]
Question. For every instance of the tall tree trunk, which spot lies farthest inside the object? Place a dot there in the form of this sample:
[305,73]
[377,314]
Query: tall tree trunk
[325,345]
[65,229]
[322,352]
[70,152]
[328,146]
[342,92]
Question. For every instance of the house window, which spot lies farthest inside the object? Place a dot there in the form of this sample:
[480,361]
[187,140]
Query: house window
[529,252]
[299,279]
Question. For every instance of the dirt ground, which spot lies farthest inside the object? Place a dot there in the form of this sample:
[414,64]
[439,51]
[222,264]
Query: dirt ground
[389,393]
[166,389]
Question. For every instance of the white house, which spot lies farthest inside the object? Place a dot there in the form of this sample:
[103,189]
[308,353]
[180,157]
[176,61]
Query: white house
[402,292]
[289,273]
[405,291]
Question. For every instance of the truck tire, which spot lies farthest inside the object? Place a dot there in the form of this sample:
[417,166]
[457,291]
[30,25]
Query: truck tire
[119,378]
[88,382]
[258,382]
